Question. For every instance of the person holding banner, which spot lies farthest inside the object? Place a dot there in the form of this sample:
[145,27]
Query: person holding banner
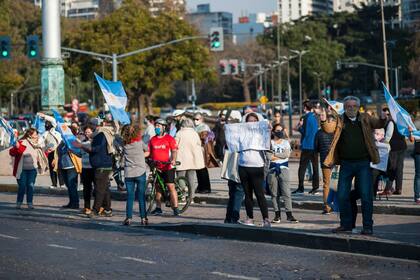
[28,159]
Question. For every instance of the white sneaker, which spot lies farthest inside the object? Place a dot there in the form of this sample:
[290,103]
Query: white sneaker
[53,187]
[62,186]
[247,222]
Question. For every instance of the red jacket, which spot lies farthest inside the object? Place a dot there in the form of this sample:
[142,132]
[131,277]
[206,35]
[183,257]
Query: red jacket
[17,153]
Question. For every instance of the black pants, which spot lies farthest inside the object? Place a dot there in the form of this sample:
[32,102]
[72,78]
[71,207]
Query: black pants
[203,180]
[305,157]
[88,179]
[395,169]
[252,179]
[102,192]
[53,174]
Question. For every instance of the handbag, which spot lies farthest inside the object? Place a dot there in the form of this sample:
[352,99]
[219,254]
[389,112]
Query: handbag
[230,167]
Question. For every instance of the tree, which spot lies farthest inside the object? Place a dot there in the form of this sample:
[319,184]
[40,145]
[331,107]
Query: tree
[144,75]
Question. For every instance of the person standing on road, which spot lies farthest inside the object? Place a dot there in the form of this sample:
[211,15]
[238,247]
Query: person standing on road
[51,139]
[308,154]
[396,155]
[88,173]
[323,142]
[163,151]
[278,177]
[251,173]
[28,159]
[190,155]
[353,147]
[134,151]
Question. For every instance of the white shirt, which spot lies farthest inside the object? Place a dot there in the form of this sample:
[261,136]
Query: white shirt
[251,158]
[280,148]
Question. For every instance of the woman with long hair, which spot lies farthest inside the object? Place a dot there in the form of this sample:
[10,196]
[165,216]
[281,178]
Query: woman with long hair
[28,160]
[134,151]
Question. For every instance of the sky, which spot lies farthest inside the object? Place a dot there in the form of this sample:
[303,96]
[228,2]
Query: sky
[236,7]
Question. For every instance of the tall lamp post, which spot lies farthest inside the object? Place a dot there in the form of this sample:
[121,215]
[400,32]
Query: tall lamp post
[300,54]
[289,91]
[384,43]
[278,51]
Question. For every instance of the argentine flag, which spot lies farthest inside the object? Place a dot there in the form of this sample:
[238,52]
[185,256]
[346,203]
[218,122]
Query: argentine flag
[68,137]
[115,97]
[336,106]
[8,130]
[400,116]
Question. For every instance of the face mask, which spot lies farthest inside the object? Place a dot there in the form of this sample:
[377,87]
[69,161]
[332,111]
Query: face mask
[351,113]
[197,122]
[278,134]
[157,130]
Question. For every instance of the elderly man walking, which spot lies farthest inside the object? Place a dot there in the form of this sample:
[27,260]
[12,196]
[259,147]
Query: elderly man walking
[353,148]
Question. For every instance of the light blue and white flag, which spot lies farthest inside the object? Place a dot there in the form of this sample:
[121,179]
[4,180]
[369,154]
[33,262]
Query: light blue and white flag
[115,97]
[400,116]
[336,106]
[57,116]
[68,137]
[39,124]
[8,130]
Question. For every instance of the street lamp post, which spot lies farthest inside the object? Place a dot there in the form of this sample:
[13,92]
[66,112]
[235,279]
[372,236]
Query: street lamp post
[300,54]
[384,43]
[278,52]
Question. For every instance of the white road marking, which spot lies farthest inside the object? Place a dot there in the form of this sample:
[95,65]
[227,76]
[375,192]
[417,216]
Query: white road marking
[227,275]
[138,260]
[8,236]
[61,247]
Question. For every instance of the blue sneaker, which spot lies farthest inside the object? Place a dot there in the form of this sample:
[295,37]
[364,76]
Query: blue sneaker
[156,212]
[176,212]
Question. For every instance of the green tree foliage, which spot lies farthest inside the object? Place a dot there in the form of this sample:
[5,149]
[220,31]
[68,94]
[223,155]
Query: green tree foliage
[148,74]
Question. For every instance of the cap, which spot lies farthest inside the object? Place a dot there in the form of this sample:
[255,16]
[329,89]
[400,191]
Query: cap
[177,113]
[161,121]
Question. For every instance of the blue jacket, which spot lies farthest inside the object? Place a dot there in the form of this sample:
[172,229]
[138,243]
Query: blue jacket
[99,156]
[308,131]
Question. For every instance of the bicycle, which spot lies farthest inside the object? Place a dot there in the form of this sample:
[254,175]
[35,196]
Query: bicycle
[182,186]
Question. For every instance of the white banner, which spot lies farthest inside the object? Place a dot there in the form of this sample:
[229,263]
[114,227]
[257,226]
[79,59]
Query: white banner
[383,150]
[248,136]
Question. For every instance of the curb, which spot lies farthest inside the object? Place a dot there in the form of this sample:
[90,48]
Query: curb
[299,239]
[207,199]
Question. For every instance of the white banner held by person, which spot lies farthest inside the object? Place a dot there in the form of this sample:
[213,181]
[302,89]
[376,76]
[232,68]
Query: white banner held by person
[248,136]
[383,150]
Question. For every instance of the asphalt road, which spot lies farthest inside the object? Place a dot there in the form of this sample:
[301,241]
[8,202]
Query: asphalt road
[53,244]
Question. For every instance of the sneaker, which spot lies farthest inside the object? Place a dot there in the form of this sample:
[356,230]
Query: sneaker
[108,213]
[247,222]
[355,231]
[127,222]
[292,219]
[366,231]
[341,229]
[101,211]
[52,187]
[86,211]
[396,192]
[326,212]
[266,223]
[297,191]
[176,212]
[156,212]
[276,220]
[31,206]
[313,191]
[19,205]
[144,221]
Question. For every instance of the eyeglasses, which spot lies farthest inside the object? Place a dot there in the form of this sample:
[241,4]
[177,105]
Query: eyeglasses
[197,119]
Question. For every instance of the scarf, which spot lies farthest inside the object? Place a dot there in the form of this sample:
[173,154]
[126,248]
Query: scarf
[42,159]
[109,136]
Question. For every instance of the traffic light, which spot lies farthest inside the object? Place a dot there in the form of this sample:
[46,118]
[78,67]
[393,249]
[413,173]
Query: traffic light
[216,39]
[32,49]
[5,47]
[224,67]
[233,65]
[242,66]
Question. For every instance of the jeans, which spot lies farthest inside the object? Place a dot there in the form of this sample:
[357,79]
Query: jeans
[236,195]
[361,171]
[136,187]
[88,179]
[305,158]
[280,187]
[70,180]
[26,183]
[417,177]
[252,179]
[53,174]
[102,192]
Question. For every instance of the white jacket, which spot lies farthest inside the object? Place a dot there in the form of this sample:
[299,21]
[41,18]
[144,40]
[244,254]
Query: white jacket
[190,153]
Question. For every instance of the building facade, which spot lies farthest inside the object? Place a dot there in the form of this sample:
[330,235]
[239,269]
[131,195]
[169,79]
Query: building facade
[291,10]
[249,27]
[411,13]
[204,19]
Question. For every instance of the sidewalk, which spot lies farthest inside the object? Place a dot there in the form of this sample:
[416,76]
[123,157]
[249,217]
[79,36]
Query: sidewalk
[396,205]
[394,236]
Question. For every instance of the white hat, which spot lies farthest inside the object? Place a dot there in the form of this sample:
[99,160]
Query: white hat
[177,113]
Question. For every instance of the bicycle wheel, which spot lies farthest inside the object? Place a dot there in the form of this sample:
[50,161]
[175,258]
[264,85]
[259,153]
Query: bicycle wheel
[150,196]
[183,189]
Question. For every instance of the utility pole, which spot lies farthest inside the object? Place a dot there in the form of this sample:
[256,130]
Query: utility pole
[300,54]
[278,52]
[384,43]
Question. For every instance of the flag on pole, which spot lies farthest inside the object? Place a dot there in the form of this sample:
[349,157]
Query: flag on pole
[336,106]
[57,116]
[115,97]
[39,124]
[400,116]
[68,137]
[8,130]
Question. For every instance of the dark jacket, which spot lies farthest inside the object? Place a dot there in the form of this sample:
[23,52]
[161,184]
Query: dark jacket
[323,142]
[99,156]
[397,141]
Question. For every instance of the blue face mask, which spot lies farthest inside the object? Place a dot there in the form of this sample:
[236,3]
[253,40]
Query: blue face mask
[157,130]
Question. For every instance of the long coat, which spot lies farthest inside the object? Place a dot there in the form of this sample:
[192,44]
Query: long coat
[190,153]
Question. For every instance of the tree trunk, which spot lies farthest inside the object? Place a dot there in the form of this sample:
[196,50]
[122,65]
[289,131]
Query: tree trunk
[140,110]
[247,93]
[149,104]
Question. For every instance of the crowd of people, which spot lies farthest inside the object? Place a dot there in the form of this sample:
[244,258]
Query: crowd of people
[366,152]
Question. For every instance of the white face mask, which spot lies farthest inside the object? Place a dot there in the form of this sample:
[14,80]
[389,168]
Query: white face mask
[197,122]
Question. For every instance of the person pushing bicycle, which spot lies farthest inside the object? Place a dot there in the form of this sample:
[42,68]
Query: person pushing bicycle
[163,151]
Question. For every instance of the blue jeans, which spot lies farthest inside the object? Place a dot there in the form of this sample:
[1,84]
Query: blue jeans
[70,180]
[26,184]
[417,177]
[136,187]
[360,170]
[236,195]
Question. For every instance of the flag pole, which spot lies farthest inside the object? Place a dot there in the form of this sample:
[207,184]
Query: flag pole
[384,42]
